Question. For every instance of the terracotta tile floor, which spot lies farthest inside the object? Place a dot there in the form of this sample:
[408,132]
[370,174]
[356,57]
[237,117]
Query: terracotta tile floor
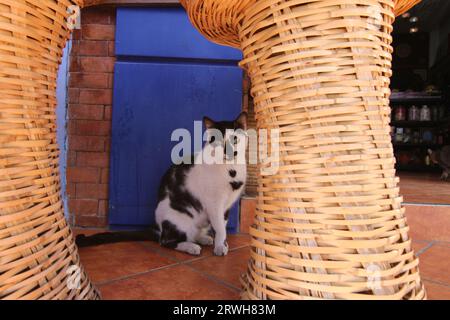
[424,188]
[146,271]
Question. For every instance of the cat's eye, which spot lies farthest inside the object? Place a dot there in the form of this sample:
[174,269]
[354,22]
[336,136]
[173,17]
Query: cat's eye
[212,139]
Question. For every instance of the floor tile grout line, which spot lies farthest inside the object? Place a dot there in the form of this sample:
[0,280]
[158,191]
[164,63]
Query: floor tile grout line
[436,242]
[425,204]
[223,282]
[193,259]
[160,252]
[210,256]
[241,247]
[428,246]
[180,261]
[128,276]
[436,282]
[440,242]
[215,279]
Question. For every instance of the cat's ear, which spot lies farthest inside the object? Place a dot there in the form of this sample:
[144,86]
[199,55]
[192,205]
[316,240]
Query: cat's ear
[241,121]
[209,123]
[430,152]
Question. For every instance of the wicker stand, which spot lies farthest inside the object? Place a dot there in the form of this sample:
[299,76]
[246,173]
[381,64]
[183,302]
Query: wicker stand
[38,256]
[330,223]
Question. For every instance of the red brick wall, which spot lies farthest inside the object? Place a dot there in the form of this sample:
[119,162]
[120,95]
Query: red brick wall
[89,117]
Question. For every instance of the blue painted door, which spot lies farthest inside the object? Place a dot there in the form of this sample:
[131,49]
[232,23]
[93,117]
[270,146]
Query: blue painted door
[166,77]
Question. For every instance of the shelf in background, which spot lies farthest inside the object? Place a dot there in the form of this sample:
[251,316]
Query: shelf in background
[417,145]
[423,124]
[417,168]
[418,100]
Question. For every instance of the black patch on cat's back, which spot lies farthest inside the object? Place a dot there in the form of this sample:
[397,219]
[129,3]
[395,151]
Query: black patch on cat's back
[173,186]
[236,185]
[170,235]
[232,173]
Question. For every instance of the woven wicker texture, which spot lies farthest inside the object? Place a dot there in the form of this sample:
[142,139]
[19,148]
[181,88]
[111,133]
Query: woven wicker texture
[38,257]
[221,21]
[330,223]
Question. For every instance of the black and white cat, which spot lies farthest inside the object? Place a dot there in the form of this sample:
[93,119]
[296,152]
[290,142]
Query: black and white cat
[194,199]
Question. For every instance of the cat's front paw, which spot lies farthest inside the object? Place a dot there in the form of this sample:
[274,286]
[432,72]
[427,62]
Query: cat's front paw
[221,249]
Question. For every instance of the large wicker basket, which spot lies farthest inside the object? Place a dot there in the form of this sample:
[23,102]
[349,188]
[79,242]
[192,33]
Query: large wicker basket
[38,257]
[330,223]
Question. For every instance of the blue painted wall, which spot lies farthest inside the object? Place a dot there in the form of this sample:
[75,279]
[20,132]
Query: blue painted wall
[165,33]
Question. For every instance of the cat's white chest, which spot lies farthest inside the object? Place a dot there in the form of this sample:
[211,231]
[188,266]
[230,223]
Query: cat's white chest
[236,183]
[217,185]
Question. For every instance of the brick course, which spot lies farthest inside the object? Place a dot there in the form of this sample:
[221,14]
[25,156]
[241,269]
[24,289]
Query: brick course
[91,79]
[86,112]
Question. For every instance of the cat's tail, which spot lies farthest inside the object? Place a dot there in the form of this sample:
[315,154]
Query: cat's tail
[151,234]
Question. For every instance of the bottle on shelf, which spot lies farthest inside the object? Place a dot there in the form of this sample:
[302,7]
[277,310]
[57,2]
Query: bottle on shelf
[399,135]
[425,114]
[427,136]
[407,136]
[413,113]
[400,113]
